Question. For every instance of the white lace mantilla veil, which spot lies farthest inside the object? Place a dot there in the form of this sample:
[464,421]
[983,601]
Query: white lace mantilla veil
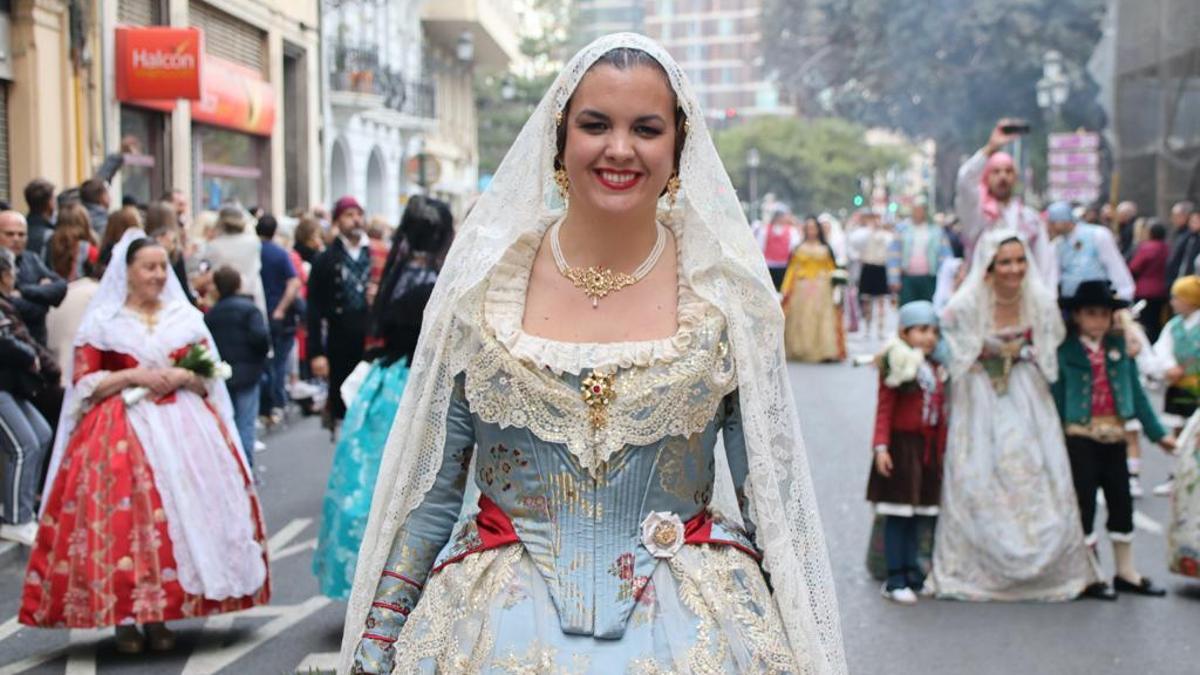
[968,316]
[721,262]
[110,298]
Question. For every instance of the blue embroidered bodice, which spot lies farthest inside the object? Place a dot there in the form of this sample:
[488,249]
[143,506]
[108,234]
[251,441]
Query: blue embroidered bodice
[575,497]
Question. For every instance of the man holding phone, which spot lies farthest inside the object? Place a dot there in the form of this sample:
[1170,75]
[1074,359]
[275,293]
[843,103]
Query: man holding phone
[985,200]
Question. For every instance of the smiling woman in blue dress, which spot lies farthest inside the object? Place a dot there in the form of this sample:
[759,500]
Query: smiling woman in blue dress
[602,319]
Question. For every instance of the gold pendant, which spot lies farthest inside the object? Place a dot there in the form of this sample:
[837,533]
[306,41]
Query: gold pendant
[597,282]
[598,392]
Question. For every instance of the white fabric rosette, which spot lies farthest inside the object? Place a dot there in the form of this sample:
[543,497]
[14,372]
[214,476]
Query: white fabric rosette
[662,534]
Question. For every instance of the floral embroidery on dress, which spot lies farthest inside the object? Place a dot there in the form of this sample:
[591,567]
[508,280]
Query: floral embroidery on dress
[503,463]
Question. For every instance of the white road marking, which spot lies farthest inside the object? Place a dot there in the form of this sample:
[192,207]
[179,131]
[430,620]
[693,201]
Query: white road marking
[286,534]
[82,652]
[1144,522]
[214,658]
[306,545]
[219,622]
[1141,521]
[9,628]
[33,661]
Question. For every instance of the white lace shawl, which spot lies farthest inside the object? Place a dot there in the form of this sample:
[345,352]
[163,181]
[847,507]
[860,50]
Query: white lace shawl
[720,262]
[968,317]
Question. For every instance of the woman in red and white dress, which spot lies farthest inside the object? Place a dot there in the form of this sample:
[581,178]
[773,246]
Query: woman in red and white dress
[150,514]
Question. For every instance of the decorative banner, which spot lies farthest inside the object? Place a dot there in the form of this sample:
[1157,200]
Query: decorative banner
[1081,195]
[1085,140]
[232,96]
[158,62]
[1082,177]
[1074,160]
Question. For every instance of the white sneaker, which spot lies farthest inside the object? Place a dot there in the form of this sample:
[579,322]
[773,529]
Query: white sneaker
[1165,488]
[902,596]
[1135,488]
[24,534]
[259,446]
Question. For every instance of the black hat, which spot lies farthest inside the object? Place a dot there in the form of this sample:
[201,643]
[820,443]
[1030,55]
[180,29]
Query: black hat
[1096,293]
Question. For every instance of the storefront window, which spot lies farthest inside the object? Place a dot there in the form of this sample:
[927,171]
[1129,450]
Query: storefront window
[142,131]
[231,167]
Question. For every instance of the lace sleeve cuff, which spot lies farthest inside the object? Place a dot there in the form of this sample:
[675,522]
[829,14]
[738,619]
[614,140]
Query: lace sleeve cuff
[81,401]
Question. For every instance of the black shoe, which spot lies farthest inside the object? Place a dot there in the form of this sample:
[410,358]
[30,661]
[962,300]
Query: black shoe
[1099,591]
[1147,587]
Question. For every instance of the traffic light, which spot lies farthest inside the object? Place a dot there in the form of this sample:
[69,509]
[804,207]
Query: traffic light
[858,200]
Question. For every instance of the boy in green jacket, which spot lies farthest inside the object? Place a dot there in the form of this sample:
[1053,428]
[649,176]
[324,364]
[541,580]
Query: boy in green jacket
[1097,391]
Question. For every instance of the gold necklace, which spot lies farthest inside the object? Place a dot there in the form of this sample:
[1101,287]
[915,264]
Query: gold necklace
[598,282]
[148,319]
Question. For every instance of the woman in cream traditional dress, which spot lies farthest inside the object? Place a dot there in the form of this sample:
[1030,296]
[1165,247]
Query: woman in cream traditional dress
[811,331]
[576,369]
[1009,524]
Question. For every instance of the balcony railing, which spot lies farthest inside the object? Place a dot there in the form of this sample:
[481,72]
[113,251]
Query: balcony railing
[359,71]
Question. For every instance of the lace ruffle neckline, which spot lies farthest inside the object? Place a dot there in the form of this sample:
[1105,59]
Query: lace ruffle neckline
[504,311]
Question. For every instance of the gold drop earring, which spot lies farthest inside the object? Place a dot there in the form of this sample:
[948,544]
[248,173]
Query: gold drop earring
[673,185]
[560,174]
[563,182]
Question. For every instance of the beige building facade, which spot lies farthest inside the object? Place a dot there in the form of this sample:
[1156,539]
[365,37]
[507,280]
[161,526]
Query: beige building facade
[401,102]
[61,113]
[42,121]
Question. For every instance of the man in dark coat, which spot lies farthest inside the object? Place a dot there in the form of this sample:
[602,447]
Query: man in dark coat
[39,195]
[1184,250]
[38,287]
[337,303]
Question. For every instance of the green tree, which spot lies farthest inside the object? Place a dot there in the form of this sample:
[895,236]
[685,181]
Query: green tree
[501,117]
[811,164]
[941,69]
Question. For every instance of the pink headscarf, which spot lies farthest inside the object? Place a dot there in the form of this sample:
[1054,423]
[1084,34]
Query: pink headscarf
[991,207]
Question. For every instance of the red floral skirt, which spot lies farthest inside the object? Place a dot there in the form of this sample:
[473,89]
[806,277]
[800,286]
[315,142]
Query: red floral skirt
[103,556]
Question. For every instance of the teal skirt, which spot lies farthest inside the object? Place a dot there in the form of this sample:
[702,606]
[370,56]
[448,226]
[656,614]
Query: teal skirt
[352,477]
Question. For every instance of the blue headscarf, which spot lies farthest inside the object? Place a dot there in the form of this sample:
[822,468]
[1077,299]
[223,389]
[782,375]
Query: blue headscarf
[918,313]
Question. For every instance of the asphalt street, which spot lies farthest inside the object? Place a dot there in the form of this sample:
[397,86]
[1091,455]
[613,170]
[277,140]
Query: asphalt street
[1133,635]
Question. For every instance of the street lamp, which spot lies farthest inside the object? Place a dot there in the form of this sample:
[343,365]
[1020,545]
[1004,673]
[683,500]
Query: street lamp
[508,88]
[465,49]
[753,159]
[1054,87]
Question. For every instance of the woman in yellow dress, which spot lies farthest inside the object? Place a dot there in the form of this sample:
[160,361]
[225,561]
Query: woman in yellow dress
[811,330]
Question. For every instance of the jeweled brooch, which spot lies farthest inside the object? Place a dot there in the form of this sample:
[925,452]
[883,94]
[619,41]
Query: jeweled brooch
[598,392]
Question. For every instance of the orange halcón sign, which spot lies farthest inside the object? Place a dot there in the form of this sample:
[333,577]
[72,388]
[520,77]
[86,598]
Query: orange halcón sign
[158,62]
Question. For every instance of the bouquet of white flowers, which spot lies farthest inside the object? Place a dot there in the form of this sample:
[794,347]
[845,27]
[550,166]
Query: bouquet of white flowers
[198,359]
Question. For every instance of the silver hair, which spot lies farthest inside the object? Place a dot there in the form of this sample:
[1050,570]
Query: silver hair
[8,261]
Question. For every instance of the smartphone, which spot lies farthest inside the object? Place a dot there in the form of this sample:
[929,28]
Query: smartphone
[1016,127]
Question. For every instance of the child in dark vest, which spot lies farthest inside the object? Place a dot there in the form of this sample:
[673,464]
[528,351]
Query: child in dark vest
[910,432]
[243,340]
[1097,392]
